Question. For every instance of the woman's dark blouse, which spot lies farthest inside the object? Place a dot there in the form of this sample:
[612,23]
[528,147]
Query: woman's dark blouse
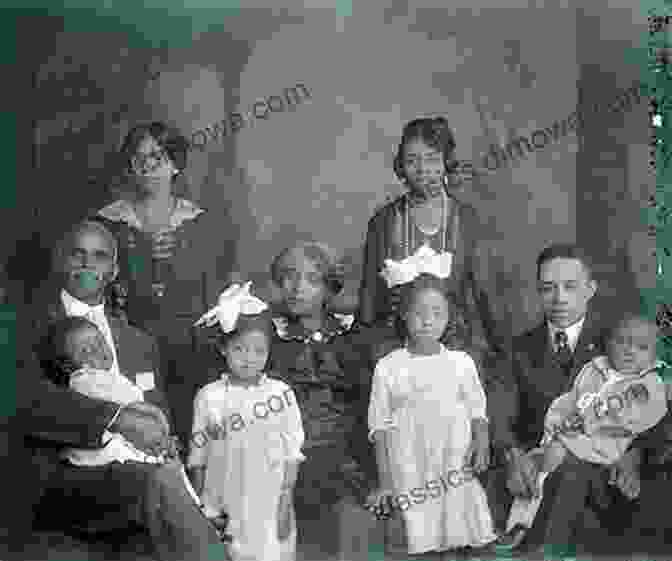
[391,235]
[191,278]
[330,372]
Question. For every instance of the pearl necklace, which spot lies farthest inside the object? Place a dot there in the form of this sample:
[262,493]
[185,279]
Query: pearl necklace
[409,242]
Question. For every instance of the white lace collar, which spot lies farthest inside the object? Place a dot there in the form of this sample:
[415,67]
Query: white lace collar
[123,211]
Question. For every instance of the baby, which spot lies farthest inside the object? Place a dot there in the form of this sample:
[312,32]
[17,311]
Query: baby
[613,399]
[79,357]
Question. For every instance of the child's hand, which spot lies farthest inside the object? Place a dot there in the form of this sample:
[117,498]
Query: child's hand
[285,515]
[478,453]
[379,502]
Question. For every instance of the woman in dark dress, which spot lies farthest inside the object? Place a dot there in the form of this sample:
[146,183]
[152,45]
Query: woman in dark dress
[428,214]
[171,265]
[327,365]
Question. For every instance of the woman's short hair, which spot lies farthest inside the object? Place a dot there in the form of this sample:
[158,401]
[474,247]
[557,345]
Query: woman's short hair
[564,251]
[321,255]
[433,131]
[166,136]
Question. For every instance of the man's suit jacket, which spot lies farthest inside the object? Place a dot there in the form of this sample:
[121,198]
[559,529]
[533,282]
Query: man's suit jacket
[534,379]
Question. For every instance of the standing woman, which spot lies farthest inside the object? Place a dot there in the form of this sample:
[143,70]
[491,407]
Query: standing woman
[428,214]
[174,257]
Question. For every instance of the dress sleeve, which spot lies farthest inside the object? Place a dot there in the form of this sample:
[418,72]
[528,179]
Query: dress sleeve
[293,435]
[199,436]
[472,390]
[380,410]
[370,295]
[641,416]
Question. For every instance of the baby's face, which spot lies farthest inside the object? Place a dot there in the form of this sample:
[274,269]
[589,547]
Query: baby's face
[632,348]
[87,347]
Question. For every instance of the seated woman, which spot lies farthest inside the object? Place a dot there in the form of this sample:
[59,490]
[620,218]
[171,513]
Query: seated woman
[431,219]
[327,365]
[170,269]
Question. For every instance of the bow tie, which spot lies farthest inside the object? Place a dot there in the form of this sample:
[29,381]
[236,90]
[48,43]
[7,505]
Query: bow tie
[424,260]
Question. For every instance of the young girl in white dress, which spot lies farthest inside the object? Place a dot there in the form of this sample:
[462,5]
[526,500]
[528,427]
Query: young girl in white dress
[427,417]
[247,436]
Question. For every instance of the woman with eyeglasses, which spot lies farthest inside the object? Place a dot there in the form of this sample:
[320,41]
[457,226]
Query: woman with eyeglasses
[174,256]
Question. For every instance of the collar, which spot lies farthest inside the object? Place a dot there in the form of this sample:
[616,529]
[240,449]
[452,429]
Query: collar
[573,332]
[225,377]
[75,307]
[123,211]
[289,329]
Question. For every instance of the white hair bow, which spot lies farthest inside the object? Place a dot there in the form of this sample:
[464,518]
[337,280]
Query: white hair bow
[424,260]
[235,300]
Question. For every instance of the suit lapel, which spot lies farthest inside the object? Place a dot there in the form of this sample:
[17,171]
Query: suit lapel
[588,346]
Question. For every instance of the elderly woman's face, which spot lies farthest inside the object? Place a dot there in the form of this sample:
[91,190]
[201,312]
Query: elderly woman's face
[152,161]
[303,288]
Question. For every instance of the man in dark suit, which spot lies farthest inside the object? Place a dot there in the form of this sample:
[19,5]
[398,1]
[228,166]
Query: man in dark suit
[116,494]
[544,363]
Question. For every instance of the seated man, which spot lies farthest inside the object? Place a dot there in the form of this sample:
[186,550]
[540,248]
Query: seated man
[544,364]
[152,495]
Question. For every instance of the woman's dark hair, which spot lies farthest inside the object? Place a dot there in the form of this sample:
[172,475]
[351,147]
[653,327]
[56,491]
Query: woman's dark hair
[457,332]
[433,131]
[167,137]
[56,363]
[321,256]
[564,251]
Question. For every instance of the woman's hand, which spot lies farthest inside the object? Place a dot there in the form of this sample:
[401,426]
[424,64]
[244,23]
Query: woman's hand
[478,453]
[285,514]
[625,474]
[163,244]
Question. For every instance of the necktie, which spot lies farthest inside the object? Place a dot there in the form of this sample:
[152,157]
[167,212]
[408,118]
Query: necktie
[563,352]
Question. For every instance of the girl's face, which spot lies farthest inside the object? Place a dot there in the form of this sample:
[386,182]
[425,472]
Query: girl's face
[424,168]
[427,316]
[632,348]
[303,288]
[247,354]
[150,161]
[87,347]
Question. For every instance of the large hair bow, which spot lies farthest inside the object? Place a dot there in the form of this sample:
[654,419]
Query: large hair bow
[424,260]
[235,300]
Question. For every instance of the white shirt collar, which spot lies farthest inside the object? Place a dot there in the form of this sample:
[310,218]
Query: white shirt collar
[75,307]
[573,332]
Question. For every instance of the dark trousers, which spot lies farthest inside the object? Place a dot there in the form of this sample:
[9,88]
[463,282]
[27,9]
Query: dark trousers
[117,495]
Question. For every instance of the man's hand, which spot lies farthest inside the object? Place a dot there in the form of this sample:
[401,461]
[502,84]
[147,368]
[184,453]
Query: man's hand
[625,473]
[144,425]
[522,475]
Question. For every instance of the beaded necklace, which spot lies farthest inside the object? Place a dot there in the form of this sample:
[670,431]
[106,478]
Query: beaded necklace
[409,226]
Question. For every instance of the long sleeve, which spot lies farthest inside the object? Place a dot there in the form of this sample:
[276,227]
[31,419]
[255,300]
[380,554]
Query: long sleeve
[199,434]
[371,291]
[471,388]
[293,435]
[60,415]
[380,410]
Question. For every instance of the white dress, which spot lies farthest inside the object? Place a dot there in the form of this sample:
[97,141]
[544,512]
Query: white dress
[426,404]
[243,436]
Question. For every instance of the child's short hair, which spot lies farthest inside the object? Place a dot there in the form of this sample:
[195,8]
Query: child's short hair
[55,360]
[628,317]
[433,131]
[321,255]
[457,328]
